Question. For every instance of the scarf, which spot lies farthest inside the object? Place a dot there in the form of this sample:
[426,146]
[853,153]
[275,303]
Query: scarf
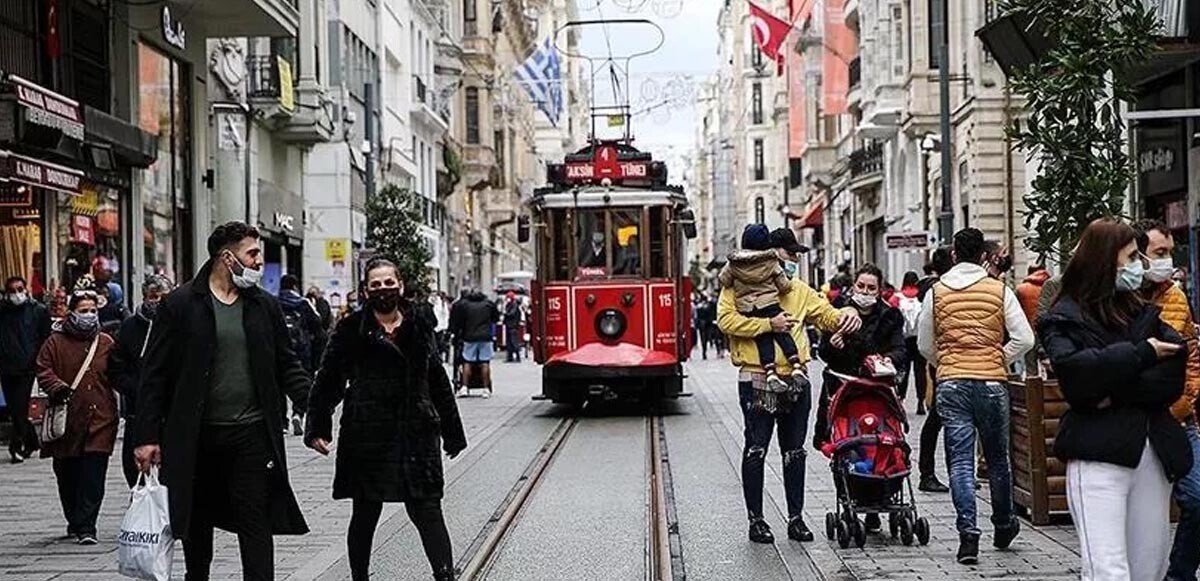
[770,400]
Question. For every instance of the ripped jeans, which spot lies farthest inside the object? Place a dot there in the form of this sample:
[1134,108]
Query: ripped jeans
[793,430]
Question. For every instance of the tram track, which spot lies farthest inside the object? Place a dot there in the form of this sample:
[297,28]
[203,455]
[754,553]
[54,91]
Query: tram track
[663,549]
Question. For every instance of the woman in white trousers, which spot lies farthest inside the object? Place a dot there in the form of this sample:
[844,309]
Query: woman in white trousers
[1120,368]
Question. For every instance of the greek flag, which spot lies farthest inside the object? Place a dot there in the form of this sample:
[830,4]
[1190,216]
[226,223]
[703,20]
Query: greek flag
[541,76]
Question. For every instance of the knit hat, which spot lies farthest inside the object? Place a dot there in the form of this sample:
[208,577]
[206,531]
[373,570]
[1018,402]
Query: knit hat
[756,237]
[85,289]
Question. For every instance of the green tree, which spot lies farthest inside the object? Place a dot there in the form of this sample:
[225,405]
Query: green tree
[394,216]
[1074,127]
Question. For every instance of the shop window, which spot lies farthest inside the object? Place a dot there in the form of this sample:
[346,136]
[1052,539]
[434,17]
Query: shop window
[88,237]
[21,235]
[163,106]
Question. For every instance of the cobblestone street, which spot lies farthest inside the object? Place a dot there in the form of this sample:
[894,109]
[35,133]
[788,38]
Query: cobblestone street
[584,521]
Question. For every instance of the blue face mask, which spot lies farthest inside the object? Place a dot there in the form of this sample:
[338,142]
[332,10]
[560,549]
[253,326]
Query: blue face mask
[791,269]
[1129,277]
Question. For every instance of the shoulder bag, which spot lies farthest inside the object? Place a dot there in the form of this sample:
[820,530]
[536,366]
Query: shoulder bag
[54,423]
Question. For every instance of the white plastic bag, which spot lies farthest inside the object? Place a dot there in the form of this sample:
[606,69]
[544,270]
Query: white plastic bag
[145,547]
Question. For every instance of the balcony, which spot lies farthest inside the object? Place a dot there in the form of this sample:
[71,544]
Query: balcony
[300,114]
[237,18]
[866,167]
[267,93]
[425,106]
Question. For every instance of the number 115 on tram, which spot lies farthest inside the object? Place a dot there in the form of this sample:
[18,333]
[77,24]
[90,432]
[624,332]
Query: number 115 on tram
[611,296]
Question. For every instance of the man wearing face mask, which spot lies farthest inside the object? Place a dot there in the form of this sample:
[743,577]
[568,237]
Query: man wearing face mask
[1156,244]
[595,255]
[132,339]
[209,407]
[24,327]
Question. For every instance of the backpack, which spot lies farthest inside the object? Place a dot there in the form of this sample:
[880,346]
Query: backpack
[298,337]
[910,307]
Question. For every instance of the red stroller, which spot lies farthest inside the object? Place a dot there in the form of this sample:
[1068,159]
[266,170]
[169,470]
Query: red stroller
[870,463]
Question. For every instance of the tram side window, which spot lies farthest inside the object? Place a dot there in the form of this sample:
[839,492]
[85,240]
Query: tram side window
[659,261]
[627,255]
[559,257]
[593,244]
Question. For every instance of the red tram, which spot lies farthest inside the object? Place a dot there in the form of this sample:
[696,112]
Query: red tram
[611,308]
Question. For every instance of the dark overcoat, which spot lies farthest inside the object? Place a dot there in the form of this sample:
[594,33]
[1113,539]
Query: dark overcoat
[177,376]
[398,410]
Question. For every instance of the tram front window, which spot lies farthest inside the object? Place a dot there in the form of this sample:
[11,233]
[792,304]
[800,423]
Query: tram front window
[608,243]
[627,258]
[593,244]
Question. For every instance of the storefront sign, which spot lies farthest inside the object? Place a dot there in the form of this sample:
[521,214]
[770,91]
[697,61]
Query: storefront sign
[19,197]
[39,173]
[908,240]
[82,231]
[280,211]
[285,222]
[336,249]
[47,108]
[1161,164]
[173,32]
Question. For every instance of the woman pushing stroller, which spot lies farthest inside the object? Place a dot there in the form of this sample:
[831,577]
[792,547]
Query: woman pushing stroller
[876,350]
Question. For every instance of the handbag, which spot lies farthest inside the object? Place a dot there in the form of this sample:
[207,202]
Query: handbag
[54,421]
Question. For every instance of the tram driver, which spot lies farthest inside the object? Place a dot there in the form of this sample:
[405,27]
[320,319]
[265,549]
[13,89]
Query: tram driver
[595,255]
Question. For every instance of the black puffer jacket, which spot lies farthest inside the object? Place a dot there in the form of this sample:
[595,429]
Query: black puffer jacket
[1120,393]
[471,318]
[23,330]
[882,333]
[398,414]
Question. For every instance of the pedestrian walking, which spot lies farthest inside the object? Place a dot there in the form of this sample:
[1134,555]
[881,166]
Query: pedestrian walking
[316,298]
[706,321]
[24,327]
[964,319]
[471,320]
[763,408]
[398,415]
[132,339]
[208,407]
[1120,367]
[940,263]
[1157,246]
[512,327]
[306,336]
[910,308]
[73,368]
[881,335]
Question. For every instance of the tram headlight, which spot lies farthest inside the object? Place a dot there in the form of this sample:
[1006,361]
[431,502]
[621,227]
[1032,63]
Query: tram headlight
[610,324]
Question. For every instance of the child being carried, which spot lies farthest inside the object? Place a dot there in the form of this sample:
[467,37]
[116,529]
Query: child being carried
[757,279]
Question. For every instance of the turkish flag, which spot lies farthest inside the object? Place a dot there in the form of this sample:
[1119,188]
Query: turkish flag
[53,43]
[769,33]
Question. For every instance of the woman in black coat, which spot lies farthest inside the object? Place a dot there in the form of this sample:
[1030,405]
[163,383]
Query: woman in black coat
[1120,368]
[399,414]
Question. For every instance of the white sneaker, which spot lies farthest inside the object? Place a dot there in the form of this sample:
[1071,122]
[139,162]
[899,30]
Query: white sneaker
[487,394]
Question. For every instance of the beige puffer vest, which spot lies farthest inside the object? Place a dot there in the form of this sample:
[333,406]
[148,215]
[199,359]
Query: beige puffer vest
[968,327]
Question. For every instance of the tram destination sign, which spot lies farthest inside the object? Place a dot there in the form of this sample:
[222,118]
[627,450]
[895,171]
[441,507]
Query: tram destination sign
[588,171]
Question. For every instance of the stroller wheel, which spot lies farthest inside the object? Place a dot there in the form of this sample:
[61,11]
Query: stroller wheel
[894,524]
[830,526]
[843,534]
[860,534]
[922,530]
[906,530]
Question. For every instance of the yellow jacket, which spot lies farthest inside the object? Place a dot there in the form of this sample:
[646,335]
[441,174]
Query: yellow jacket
[802,302]
[1177,314]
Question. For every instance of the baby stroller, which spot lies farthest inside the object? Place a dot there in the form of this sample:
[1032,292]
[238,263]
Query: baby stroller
[870,463]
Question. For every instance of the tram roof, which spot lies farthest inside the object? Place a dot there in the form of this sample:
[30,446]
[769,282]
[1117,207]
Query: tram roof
[612,196]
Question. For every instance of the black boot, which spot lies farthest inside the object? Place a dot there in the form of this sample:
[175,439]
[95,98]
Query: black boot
[445,574]
[1005,535]
[930,483]
[968,549]
[760,532]
[798,531]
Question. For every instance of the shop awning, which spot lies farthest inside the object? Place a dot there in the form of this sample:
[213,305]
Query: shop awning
[42,174]
[814,215]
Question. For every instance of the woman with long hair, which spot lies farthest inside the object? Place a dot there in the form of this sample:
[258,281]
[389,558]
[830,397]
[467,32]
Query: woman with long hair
[398,415]
[1120,368]
[73,368]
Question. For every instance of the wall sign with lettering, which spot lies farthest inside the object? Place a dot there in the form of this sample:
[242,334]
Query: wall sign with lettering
[43,174]
[173,32]
[47,108]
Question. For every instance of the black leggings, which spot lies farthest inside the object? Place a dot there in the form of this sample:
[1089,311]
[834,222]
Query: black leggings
[426,515]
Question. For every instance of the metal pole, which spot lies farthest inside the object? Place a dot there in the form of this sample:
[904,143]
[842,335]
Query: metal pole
[946,217]
[369,137]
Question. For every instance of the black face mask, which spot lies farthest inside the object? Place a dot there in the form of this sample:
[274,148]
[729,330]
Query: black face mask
[384,300]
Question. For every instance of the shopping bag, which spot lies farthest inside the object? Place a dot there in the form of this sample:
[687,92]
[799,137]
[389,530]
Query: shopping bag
[145,547]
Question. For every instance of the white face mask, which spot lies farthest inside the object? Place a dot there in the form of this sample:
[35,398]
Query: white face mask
[864,301]
[249,277]
[1160,270]
[18,298]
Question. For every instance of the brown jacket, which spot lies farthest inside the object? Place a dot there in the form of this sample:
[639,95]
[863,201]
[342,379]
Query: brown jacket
[92,412]
[756,278]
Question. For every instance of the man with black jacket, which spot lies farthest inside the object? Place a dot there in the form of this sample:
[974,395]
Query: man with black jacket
[471,321]
[306,334]
[132,338]
[208,407]
[24,326]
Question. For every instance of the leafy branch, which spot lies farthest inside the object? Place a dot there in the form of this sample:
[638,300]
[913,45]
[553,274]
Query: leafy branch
[394,218]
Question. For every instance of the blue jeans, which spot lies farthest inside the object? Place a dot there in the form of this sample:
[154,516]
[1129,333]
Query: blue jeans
[793,429]
[965,407]
[1185,554]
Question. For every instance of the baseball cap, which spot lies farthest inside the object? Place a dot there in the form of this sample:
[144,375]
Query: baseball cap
[785,238]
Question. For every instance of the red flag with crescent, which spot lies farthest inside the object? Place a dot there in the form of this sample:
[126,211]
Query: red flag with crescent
[769,32]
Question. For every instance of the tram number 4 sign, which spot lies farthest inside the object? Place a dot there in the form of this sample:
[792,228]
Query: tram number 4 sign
[908,241]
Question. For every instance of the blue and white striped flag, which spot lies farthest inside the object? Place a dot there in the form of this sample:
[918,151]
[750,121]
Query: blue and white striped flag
[541,76]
